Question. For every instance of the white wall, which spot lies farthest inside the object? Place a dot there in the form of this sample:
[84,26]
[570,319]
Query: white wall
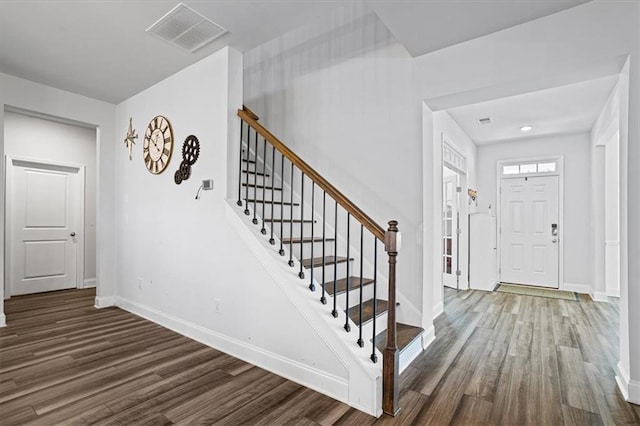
[179,257]
[445,126]
[42,139]
[559,47]
[26,95]
[575,149]
[339,93]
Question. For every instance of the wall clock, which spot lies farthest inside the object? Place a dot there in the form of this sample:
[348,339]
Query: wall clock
[158,145]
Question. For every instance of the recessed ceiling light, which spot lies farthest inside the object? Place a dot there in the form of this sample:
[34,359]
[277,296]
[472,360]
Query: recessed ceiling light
[526,128]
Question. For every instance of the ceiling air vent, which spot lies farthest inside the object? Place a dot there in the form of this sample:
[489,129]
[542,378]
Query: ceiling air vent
[486,120]
[186,28]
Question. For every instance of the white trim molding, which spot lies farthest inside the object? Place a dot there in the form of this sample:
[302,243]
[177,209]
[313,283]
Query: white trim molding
[630,389]
[578,288]
[428,337]
[104,302]
[89,282]
[3,320]
[600,296]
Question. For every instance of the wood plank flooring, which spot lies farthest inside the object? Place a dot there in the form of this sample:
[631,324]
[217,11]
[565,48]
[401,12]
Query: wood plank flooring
[498,359]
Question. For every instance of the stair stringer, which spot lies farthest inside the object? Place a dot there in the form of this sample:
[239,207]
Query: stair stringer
[364,384]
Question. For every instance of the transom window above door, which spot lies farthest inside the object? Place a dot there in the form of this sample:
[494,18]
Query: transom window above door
[530,168]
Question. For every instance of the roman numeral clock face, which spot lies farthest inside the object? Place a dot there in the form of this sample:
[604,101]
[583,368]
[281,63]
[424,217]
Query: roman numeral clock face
[158,145]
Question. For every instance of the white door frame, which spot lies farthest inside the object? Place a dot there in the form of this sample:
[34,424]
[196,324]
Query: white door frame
[463,210]
[10,160]
[560,173]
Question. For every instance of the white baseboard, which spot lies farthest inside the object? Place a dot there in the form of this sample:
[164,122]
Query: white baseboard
[600,296]
[105,302]
[578,288]
[613,293]
[438,310]
[428,337]
[3,320]
[89,282]
[630,389]
[317,380]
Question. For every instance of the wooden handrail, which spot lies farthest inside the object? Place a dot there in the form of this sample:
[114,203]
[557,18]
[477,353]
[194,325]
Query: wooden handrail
[250,118]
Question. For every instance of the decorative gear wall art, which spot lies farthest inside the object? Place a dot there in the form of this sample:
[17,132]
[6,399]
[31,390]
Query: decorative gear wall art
[190,154]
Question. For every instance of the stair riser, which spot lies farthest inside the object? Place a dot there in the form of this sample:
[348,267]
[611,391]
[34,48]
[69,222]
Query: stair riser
[267,192]
[354,296]
[286,210]
[341,269]
[286,231]
[367,329]
[317,249]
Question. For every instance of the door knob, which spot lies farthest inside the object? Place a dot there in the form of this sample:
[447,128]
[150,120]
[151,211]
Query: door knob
[554,240]
[73,234]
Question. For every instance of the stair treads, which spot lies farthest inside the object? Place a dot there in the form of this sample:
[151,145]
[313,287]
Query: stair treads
[405,334]
[367,311]
[285,203]
[341,284]
[262,186]
[289,220]
[296,240]
[328,260]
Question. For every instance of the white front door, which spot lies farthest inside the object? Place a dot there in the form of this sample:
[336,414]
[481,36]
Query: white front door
[43,212]
[450,225]
[530,234]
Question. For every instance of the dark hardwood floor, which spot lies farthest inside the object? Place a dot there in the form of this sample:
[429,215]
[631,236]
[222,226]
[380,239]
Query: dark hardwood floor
[498,359]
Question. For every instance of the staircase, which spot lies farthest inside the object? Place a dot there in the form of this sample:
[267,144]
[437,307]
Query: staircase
[337,250]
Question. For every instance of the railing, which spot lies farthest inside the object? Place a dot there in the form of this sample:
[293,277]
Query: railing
[279,154]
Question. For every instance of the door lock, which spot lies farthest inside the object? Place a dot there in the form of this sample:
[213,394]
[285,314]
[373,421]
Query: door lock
[73,234]
[554,229]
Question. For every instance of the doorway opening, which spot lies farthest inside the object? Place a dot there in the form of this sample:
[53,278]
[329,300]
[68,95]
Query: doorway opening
[50,199]
[454,217]
[530,212]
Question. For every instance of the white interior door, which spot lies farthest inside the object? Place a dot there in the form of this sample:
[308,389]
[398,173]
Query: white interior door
[530,234]
[450,226]
[44,206]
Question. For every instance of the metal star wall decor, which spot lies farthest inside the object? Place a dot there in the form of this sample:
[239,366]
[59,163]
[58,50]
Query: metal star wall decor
[130,139]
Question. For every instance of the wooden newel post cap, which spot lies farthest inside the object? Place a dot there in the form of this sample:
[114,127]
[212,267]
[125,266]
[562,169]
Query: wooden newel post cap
[392,238]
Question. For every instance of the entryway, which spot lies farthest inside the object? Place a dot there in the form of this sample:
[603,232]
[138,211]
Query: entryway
[530,216]
[45,211]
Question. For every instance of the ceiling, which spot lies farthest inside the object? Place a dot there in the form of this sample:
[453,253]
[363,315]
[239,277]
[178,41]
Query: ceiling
[566,109]
[100,49]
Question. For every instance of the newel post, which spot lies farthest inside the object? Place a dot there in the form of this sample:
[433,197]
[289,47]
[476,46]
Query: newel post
[390,376]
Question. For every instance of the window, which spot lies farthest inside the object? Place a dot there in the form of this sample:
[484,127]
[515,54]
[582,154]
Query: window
[547,167]
[529,168]
[510,170]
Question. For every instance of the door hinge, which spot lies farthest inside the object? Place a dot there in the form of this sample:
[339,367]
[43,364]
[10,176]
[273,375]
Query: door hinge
[458,272]
[458,231]
[458,189]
